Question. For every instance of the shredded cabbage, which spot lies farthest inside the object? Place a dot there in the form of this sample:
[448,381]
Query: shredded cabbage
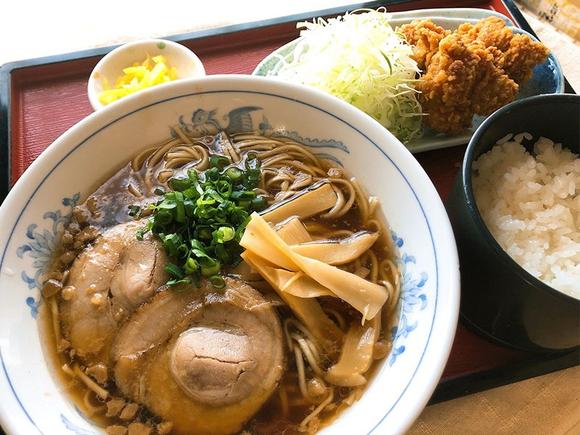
[361,59]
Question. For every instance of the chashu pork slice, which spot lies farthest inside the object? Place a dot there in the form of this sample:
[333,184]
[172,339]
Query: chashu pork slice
[203,359]
[110,280]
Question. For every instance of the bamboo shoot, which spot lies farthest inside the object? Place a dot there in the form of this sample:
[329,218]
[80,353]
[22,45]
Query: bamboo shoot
[337,251]
[310,203]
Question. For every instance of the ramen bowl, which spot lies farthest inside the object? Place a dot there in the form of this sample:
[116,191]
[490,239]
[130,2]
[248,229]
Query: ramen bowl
[500,299]
[41,202]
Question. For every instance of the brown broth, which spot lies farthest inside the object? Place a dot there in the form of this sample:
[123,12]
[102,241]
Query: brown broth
[108,206]
[73,389]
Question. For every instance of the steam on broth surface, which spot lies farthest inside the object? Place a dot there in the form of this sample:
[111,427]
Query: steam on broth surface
[221,284]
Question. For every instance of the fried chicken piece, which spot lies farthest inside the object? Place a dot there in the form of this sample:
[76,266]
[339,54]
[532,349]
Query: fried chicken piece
[516,54]
[491,31]
[425,36]
[473,70]
[522,57]
[462,80]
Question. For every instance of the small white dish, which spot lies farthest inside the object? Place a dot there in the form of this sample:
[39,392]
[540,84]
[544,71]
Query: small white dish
[110,67]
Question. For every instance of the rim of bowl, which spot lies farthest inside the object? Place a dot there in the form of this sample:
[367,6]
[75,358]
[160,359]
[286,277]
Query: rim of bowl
[183,50]
[437,350]
[470,196]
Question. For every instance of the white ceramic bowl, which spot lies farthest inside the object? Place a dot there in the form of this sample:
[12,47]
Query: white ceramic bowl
[110,67]
[72,166]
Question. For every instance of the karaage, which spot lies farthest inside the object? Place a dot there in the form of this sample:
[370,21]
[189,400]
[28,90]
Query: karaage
[474,70]
[462,80]
[518,54]
[425,37]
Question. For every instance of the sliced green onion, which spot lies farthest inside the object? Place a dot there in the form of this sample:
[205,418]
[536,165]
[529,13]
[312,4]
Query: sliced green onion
[212,174]
[223,254]
[201,220]
[259,203]
[167,204]
[218,162]
[210,268]
[245,194]
[192,175]
[224,188]
[174,282]
[223,234]
[191,266]
[234,173]
[191,193]
[179,184]
[179,209]
[203,233]
[217,281]
[173,270]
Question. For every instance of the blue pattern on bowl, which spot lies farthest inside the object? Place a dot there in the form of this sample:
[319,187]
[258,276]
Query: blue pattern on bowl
[74,428]
[41,246]
[412,299]
[246,119]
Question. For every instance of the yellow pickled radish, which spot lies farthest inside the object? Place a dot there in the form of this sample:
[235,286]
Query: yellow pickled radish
[151,72]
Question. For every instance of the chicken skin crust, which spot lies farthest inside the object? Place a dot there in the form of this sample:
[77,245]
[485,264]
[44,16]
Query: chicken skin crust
[425,37]
[516,54]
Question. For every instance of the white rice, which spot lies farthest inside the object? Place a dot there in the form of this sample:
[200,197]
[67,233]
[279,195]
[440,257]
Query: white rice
[532,207]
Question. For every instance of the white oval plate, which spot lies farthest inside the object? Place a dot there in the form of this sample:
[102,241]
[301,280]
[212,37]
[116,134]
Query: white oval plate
[547,78]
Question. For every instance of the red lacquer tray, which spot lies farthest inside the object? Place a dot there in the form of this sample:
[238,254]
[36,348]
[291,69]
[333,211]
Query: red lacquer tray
[41,98]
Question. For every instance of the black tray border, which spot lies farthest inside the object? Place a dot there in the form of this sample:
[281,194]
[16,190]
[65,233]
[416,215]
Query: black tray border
[535,365]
